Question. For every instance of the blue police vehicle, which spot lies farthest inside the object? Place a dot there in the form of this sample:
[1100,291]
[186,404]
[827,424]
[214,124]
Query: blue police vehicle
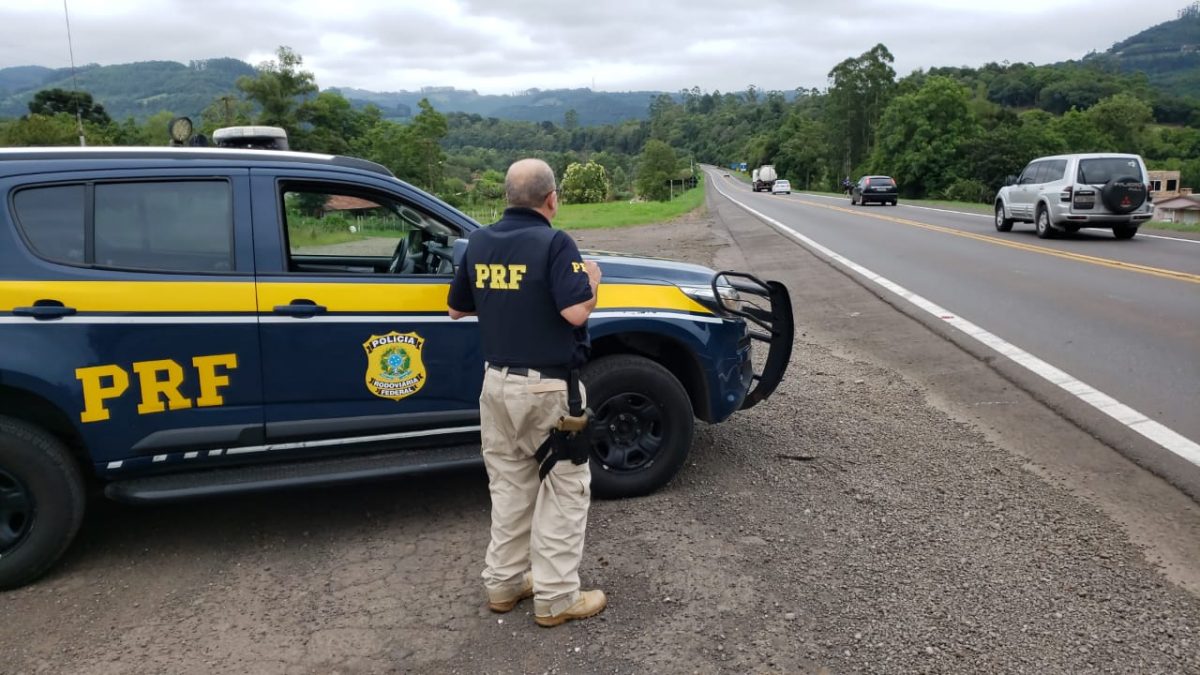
[187,322]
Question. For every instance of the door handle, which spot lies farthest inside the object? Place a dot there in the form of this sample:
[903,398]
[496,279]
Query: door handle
[301,307]
[45,310]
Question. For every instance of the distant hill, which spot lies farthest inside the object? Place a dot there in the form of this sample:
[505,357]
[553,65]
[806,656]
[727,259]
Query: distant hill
[137,89]
[144,88]
[534,105]
[1168,53]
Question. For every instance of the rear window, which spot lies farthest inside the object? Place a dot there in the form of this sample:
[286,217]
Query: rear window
[1103,169]
[880,181]
[1052,171]
[52,220]
[178,226]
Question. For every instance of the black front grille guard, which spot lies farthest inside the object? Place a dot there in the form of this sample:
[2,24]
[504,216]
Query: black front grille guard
[772,324]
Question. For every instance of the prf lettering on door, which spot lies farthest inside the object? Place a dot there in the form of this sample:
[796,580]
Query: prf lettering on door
[500,277]
[158,382]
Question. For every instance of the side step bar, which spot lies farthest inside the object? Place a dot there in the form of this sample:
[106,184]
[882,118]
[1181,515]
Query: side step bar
[284,475]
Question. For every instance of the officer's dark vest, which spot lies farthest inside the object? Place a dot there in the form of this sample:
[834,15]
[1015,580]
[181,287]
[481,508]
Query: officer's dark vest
[518,320]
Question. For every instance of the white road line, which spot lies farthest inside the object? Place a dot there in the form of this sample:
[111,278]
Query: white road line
[989,217]
[1134,420]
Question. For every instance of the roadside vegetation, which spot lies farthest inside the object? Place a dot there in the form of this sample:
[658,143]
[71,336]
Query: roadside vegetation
[1174,227]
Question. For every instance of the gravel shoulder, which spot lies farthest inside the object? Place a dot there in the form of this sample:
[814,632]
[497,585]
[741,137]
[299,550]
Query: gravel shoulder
[895,507]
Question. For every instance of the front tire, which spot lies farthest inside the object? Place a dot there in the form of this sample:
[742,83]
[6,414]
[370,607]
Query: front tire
[642,425]
[1042,225]
[41,501]
[1002,224]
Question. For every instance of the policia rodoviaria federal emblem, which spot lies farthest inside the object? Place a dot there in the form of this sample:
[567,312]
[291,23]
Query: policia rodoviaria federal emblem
[394,366]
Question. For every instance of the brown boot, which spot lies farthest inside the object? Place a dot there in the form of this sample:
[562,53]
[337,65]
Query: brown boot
[505,603]
[590,603]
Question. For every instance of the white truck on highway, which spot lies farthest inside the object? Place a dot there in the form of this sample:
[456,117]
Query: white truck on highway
[763,178]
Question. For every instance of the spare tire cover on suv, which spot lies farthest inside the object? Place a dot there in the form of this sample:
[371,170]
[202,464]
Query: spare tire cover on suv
[1124,194]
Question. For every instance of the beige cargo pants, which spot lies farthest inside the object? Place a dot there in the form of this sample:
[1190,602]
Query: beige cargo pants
[536,524]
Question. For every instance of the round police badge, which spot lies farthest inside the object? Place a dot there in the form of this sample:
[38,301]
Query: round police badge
[394,366]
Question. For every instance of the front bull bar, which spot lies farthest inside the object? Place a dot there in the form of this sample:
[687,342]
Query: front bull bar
[778,328]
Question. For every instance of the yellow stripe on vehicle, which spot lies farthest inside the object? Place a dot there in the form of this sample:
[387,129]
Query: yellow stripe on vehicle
[133,296]
[239,296]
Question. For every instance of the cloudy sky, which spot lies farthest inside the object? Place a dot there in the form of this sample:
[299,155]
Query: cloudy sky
[503,46]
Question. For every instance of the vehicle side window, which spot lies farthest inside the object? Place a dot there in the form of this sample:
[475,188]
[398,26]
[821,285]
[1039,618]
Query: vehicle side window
[1052,171]
[52,219]
[184,226]
[177,226]
[335,229]
[1030,174]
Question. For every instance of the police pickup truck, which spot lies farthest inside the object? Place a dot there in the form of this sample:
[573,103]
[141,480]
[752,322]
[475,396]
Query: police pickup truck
[186,322]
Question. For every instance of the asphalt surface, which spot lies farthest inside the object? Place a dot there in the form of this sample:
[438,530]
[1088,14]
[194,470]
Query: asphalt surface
[1121,316]
[898,506]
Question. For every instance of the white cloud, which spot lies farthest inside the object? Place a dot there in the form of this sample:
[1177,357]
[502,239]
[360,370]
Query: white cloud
[500,47]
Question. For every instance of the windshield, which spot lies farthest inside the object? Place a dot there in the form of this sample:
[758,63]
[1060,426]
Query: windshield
[1101,170]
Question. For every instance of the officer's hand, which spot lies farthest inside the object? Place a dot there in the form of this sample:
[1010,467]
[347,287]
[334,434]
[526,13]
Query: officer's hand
[593,272]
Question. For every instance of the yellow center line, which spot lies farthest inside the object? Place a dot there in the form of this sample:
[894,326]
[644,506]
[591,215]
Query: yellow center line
[1077,257]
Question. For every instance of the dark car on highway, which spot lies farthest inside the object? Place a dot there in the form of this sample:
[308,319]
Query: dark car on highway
[869,189]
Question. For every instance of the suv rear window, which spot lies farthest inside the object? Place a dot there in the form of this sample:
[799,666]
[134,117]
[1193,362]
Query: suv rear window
[1100,170]
[178,226]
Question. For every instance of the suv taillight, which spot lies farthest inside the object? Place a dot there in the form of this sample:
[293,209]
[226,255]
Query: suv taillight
[1065,195]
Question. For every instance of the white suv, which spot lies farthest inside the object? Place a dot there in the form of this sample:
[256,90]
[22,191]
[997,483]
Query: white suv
[1067,192]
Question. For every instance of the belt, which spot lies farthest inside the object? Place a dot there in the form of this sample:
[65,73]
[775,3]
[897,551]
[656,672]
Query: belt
[549,372]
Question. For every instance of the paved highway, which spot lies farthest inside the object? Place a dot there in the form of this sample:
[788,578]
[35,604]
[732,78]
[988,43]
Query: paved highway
[1122,317]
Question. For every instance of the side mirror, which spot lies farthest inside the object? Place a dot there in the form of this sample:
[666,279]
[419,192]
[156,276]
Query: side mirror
[460,252]
[1010,179]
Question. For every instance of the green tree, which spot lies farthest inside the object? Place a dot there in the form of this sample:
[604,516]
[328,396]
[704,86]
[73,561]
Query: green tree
[429,127]
[656,168]
[1124,120]
[35,129]
[334,123]
[1079,132]
[860,90]
[53,101]
[921,134]
[584,184]
[225,111]
[279,88]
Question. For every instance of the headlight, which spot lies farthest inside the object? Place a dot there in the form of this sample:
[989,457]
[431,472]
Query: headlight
[728,298]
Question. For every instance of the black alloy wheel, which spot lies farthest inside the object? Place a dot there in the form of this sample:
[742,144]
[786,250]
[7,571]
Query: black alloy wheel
[16,512]
[642,423]
[628,433]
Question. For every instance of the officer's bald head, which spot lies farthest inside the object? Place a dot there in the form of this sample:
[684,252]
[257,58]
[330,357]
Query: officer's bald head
[528,183]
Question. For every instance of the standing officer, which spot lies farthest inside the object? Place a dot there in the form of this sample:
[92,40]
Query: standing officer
[533,294]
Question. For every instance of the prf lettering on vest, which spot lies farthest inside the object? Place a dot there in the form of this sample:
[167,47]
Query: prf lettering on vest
[158,381]
[499,277]
[578,267]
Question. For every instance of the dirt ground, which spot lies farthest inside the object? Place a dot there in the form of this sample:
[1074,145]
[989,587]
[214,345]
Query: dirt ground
[864,519]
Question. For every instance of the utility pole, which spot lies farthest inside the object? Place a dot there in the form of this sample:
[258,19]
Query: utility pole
[74,81]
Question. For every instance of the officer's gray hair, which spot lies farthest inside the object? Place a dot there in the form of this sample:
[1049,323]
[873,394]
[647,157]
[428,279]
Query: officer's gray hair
[528,183]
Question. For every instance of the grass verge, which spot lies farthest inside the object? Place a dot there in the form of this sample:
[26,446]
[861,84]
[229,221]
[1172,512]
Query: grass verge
[1174,227]
[624,214]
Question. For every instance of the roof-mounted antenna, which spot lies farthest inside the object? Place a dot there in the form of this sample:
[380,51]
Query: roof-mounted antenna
[74,81]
